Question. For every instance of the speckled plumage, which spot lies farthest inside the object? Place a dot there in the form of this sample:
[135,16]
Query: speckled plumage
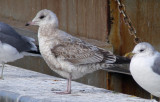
[67,55]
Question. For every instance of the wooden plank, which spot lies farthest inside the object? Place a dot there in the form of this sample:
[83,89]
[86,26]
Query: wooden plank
[72,16]
[90,18]
[63,8]
[81,11]
[85,18]
[101,20]
[53,5]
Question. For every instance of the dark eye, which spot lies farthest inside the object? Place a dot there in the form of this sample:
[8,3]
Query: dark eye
[141,50]
[41,17]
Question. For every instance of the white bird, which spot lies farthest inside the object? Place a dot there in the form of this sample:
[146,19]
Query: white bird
[145,67]
[69,56]
[14,46]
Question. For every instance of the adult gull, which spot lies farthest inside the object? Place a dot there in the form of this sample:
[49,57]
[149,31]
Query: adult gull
[145,67]
[14,46]
[67,55]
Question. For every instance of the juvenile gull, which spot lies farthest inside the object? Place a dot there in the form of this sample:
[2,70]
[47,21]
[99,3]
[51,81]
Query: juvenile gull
[145,67]
[14,46]
[69,56]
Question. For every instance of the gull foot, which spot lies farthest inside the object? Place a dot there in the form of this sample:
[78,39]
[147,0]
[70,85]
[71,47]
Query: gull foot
[66,92]
[53,89]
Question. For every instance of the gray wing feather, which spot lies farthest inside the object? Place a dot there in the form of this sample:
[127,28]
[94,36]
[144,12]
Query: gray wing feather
[8,30]
[156,65]
[10,36]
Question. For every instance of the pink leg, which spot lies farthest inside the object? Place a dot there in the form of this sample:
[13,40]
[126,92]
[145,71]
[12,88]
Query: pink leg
[69,85]
[1,77]
[68,91]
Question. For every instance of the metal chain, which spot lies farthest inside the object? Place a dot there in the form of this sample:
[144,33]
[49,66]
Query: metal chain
[127,21]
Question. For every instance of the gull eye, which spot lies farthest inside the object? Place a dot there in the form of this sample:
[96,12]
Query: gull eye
[141,50]
[41,17]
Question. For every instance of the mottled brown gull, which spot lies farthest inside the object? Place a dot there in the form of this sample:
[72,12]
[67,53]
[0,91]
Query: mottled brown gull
[69,56]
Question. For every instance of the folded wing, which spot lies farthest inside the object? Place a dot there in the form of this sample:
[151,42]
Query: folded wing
[79,52]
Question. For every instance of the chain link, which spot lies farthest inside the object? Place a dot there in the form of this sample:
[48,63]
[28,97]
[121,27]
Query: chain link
[127,21]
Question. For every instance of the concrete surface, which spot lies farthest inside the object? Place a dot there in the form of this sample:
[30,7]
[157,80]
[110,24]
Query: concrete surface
[21,85]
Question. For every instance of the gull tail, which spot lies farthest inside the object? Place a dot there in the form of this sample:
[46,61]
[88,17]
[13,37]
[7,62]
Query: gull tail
[119,66]
[115,61]
[33,52]
[110,58]
[122,60]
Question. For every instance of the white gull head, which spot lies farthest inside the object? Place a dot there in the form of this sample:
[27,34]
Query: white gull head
[143,49]
[44,17]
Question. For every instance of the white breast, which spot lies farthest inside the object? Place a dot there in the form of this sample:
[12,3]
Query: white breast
[144,75]
[8,53]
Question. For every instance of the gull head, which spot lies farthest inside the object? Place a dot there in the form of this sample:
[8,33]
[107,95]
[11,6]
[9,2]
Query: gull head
[143,49]
[44,17]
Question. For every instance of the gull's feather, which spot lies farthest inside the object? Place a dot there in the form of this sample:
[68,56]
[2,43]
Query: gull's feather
[9,36]
[156,65]
[79,52]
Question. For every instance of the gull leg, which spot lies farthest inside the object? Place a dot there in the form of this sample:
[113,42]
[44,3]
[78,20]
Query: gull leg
[69,85]
[2,71]
[68,91]
[151,96]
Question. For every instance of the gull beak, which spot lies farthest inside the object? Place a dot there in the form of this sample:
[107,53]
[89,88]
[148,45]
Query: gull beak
[129,55]
[30,23]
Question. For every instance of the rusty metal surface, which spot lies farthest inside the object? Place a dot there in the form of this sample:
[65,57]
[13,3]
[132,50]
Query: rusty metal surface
[114,35]
[145,16]
[127,21]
